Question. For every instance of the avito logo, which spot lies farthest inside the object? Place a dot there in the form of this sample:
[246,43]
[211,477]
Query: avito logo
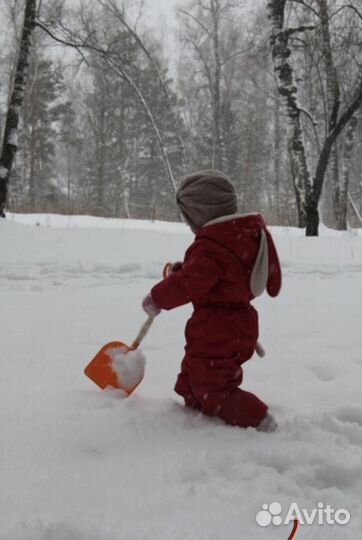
[272,514]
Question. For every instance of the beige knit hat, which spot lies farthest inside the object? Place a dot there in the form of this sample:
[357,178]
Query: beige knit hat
[206,195]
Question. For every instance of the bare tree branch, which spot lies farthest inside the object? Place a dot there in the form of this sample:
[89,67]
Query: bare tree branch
[113,63]
[78,48]
[112,5]
[237,53]
[309,115]
[197,21]
[332,137]
[301,2]
[291,31]
[348,6]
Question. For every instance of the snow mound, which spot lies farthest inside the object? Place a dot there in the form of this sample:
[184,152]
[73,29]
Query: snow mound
[129,366]
[58,530]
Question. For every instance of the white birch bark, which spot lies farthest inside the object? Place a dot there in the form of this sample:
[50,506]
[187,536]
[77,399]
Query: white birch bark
[9,145]
[288,91]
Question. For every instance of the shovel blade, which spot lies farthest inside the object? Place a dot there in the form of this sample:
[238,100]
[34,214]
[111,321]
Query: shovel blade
[100,369]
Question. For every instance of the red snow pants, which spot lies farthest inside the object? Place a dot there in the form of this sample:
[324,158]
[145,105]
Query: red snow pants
[218,341]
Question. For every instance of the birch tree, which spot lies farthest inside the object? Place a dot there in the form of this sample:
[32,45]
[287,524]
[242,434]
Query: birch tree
[288,90]
[309,188]
[10,138]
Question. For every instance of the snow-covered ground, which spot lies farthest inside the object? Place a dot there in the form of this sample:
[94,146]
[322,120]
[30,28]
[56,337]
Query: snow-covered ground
[77,463]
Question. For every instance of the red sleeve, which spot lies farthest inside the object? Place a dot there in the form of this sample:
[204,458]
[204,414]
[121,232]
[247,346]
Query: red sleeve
[197,276]
[274,282]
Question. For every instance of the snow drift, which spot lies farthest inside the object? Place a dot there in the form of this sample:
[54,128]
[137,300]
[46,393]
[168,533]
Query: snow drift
[78,463]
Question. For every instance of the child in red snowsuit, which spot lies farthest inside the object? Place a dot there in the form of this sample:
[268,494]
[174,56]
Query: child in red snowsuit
[231,261]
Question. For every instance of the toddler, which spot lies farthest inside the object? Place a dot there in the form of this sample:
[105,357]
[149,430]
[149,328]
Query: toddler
[232,260]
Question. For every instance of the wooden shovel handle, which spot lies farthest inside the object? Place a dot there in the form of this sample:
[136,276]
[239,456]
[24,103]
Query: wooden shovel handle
[142,333]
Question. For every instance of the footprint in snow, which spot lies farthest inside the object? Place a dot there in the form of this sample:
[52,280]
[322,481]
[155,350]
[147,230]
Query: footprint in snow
[349,414]
[323,373]
[345,421]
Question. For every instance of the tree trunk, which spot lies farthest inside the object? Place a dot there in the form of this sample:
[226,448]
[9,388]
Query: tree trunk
[312,217]
[342,192]
[313,199]
[101,159]
[288,91]
[33,170]
[333,99]
[354,207]
[300,171]
[277,158]
[219,153]
[10,145]
[333,90]
[337,122]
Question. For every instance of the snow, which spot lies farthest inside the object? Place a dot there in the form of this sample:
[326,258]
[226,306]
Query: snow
[128,366]
[78,463]
[71,222]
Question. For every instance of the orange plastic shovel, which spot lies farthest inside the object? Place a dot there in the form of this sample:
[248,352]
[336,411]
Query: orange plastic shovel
[101,370]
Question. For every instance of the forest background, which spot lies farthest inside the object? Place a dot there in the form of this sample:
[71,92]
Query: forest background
[119,103]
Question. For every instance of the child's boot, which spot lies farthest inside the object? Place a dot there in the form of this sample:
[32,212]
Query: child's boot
[268,424]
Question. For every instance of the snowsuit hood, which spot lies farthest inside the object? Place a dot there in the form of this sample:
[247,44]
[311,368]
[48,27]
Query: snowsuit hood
[247,237]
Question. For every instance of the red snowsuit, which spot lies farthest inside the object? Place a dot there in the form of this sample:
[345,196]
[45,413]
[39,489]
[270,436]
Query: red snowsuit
[223,329]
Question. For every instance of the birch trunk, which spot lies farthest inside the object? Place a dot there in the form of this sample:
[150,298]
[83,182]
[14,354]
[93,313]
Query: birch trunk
[10,145]
[220,161]
[288,91]
[337,121]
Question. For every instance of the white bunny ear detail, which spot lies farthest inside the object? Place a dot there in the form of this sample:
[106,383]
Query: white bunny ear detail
[259,274]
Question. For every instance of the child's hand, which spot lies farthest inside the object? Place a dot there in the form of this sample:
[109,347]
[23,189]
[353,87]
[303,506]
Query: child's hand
[150,307]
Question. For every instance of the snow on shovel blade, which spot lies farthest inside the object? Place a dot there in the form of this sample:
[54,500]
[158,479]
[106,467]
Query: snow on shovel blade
[117,366]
